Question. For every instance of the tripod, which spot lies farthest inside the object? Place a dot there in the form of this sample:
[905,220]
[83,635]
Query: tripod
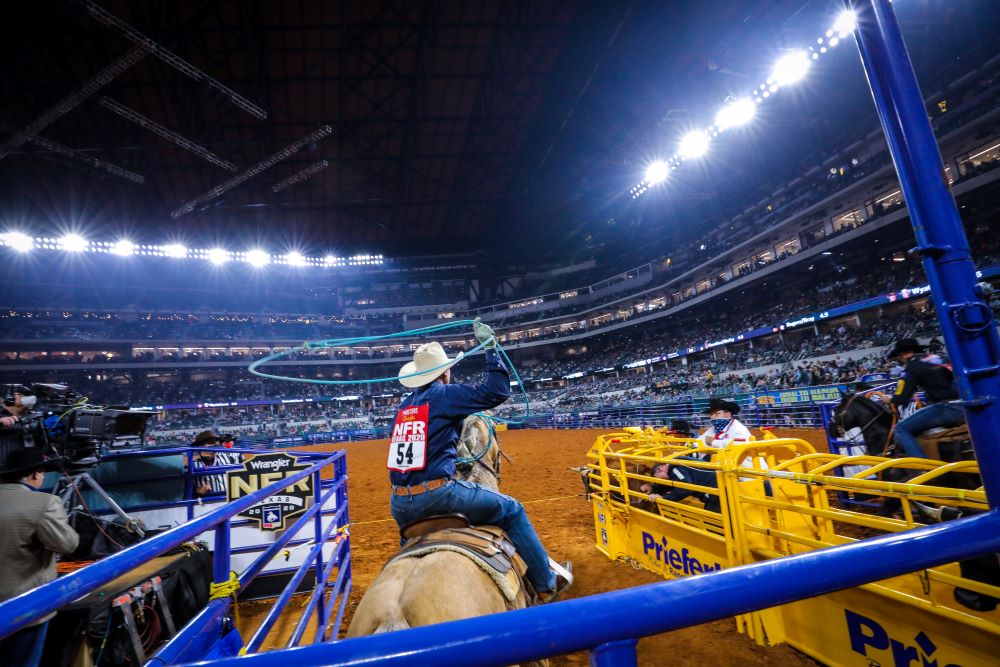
[73,484]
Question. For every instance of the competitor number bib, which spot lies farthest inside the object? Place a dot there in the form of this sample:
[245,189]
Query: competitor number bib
[408,444]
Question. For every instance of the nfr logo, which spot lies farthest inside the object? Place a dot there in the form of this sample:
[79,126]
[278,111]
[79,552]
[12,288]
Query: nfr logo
[865,632]
[679,562]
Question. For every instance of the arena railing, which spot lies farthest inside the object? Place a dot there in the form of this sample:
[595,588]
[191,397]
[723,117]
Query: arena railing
[211,630]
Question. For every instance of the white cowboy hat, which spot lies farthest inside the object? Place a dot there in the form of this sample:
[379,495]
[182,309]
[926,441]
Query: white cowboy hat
[429,363]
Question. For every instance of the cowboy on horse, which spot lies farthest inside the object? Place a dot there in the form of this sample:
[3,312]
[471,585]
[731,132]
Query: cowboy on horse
[422,455]
[929,373]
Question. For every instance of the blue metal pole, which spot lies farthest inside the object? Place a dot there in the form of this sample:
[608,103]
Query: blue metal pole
[220,557]
[967,324]
[320,569]
[582,623]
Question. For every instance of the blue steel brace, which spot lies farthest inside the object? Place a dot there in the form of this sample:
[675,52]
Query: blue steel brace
[318,525]
[967,323]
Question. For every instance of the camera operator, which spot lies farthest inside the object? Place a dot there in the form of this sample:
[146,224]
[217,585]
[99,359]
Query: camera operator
[16,431]
[33,528]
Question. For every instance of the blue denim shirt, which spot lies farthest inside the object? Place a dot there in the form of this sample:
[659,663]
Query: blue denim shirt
[448,406]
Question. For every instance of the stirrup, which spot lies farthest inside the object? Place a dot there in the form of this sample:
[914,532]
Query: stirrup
[564,579]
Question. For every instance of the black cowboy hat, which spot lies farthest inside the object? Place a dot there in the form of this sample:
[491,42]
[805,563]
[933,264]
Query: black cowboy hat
[721,404]
[906,345]
[27,459]
[205,438]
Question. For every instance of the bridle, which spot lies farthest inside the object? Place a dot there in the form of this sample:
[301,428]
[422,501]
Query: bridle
[880,411]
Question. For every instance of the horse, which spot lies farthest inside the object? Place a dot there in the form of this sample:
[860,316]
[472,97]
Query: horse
[443,585]
[876,422]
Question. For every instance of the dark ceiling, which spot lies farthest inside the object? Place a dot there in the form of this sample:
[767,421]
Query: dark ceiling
[508,128]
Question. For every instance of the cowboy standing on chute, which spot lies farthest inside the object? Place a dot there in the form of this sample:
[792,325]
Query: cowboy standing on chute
[422,453]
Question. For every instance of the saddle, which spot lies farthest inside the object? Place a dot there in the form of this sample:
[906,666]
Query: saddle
[487,546]
[956,438]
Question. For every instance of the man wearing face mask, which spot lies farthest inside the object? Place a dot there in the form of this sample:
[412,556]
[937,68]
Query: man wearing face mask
[15,431]
[725,429]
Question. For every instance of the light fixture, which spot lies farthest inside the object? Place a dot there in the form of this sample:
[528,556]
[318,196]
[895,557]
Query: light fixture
[737,112]
[694,144]
[73,243]
[295,259]
[791,68]
[657,172]
[218,256]
[846,22]
[175,250]
[257,258]
[18,241]
[123,248]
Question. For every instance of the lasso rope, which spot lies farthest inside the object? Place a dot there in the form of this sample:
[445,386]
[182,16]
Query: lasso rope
[344,342]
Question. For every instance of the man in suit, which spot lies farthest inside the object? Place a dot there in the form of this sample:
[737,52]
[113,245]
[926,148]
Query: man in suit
[33,529]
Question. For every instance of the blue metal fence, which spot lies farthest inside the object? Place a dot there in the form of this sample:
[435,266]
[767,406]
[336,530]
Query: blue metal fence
[210,633]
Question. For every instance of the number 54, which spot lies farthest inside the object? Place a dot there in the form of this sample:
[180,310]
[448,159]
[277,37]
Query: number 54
[404,450]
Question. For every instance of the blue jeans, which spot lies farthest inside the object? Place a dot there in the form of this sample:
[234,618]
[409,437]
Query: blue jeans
[484,507]
[24,647]
[928,417]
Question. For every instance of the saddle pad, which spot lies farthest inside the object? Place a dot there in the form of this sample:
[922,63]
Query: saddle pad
[488,546]
[508,583]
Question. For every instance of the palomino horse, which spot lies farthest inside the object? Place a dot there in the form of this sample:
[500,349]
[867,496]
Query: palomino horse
[442,585]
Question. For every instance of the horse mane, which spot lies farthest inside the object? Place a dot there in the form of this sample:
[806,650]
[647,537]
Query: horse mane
[477,436]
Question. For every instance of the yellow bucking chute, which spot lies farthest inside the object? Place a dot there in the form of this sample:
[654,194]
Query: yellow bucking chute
[776,497]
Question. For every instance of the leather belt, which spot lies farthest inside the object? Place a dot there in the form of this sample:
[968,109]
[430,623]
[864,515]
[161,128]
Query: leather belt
[420,487]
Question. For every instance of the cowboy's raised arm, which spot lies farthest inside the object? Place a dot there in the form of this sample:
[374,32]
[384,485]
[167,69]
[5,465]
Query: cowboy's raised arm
[464,399]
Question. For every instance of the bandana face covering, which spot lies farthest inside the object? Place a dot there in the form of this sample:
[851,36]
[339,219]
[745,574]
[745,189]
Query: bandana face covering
[720,425]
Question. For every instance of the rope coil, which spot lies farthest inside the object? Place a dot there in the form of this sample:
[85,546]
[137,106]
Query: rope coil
[225,589]
[344,342]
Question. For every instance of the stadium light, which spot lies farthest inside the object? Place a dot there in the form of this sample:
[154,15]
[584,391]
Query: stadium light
[657,172]
[73,243]
[257,258]
[737,112]
[791,68]
[693,144]
[18,241]
[218,256]
[123,248]
[846,22]
[175,250]
[295,259]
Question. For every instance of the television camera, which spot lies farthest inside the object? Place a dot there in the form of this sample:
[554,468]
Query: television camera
[76,430]
[66,425]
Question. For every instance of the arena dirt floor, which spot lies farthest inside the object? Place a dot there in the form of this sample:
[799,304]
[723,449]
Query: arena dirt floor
[552,495]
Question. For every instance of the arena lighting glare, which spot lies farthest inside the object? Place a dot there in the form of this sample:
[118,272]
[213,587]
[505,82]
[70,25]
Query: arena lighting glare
[257,258]
[295,259]
[123,248]
[657,172]
[846,22]
[18,241]
[175,250]
[218,256]
[694,144]
[736,113]
[791,68]
[73,243]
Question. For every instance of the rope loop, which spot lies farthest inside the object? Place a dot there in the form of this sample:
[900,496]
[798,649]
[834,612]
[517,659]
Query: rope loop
[343,342]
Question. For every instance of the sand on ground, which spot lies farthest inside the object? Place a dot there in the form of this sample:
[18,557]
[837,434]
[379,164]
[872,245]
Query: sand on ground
[552,494]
